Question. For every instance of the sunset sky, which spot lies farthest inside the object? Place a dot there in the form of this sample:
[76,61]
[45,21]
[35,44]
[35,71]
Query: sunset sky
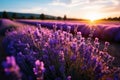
[72,8]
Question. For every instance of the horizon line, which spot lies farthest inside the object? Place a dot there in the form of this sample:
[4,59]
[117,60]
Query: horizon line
[57,16]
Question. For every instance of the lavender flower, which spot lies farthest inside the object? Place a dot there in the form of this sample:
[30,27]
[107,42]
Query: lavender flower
[79,35]
[69,78]
[61,56]
[39,70]
[63,53]
[96,43]
[73,57]
[10,67]
[54,27]
[68,29]
[74,47]
[106,46]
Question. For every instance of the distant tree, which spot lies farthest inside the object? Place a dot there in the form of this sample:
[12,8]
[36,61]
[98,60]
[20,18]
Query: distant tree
[119,18]
[47,18]
[104,19]
[23,17]
[109,18]
[59,18]
[14,15]
[52,18]
[5,15]
[115,18]
[65,17]
[42,16]
[32,17]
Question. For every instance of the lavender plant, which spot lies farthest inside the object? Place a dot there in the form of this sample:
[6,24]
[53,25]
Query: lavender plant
[65,56]
[12,69]
[39,70]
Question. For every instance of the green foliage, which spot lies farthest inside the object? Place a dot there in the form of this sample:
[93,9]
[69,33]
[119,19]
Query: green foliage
[65,17]
[14,15]
[112,19]
[23,17]
[32,17]
[42,16]
[5,15]
[59,18]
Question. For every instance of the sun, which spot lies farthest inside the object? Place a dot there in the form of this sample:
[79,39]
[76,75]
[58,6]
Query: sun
[93,16]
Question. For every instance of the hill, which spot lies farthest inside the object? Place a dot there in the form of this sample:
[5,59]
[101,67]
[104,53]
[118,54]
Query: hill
[27,15]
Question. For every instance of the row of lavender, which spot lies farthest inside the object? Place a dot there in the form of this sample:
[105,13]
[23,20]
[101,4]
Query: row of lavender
[53,54]
[108,32]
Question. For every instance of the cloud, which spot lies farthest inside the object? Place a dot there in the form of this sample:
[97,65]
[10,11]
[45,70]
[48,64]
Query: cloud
[112,5]
[67,3]
[110,8]
[34,10]
[57,4]
[77,7]
[116,2]
[60,2]
[85,3]
[76,3]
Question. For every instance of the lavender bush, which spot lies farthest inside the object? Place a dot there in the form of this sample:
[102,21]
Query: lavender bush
[11,69]
[53,54]
[109,32]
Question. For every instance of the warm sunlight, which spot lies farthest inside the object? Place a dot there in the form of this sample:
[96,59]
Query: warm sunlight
[59,39]
[93,16]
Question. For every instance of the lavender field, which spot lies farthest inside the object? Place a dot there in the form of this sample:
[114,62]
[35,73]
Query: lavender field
[59,50]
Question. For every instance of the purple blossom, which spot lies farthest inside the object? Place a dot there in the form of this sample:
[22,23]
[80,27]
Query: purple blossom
[106,46]
[61,56]
[10,67]
[68,29]
[73,57]
[69,78]
[39,70]
[61,51]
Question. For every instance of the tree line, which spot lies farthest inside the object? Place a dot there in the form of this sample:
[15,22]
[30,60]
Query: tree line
[41,16]
[44,17]
[112,18]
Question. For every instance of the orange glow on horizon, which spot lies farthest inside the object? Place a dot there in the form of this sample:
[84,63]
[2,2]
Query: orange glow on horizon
[93,16]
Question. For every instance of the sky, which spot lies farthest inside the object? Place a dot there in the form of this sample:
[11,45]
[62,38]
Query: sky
[72,8]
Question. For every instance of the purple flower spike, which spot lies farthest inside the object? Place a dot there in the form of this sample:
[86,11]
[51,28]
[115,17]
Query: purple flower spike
[106,46]
[79,35]
[10,67]
[61,56]
[39,70]
[68,28]
[69,78]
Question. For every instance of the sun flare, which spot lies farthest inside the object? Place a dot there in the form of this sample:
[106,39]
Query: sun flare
[93,16]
